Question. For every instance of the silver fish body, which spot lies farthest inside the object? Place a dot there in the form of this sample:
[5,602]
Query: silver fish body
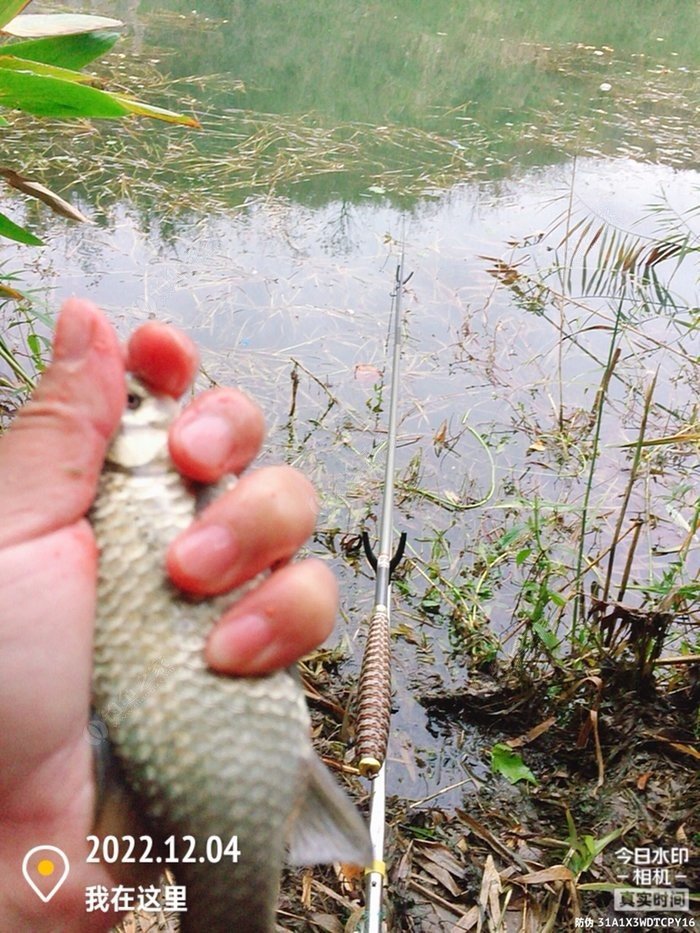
[202,755]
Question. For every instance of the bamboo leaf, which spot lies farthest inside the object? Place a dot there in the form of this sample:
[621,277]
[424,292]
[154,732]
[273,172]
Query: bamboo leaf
[36,25]
[74,51]
[12,293]
[42,193]
[13,231]
[52,97]
[157,113]
[50,91]
[9,9]
[545,875]
[11,63]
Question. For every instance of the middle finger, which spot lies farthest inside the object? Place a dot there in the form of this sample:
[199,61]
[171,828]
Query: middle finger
[262,521]
[219,432]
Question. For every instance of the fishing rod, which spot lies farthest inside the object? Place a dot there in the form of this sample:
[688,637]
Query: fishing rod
[374,693]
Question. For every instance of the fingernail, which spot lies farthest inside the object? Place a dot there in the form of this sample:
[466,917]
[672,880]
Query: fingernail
[242,645]
[206,554]
[73,335]
[208,439]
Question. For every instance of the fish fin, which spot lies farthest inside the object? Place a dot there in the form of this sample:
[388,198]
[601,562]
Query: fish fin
[327,826]
[117,812]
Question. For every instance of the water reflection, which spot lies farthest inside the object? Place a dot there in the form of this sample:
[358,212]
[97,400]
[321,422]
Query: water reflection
[282,288]
[319,103]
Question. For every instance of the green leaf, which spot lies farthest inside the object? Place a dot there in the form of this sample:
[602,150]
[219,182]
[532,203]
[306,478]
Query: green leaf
[9,9]
[557,599]
[35,25]
[511,535]
[14,232]
[546,635]
[508,763]
[52,97]
[74,51]
[12,63]
[157,113]
[49,91]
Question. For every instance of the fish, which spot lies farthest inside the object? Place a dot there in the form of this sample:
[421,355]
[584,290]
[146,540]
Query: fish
[220,769]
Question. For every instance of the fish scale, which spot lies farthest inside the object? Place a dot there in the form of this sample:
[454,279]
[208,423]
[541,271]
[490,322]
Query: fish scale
[202,754]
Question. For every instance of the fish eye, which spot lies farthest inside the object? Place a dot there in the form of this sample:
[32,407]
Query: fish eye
[133,401]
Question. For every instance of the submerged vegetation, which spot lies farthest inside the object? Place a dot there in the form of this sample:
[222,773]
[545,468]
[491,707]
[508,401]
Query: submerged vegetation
[400,105]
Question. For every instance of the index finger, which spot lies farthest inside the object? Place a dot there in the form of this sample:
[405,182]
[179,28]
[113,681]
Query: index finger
[163,357]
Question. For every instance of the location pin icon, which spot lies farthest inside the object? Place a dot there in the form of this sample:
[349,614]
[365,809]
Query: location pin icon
[45,869]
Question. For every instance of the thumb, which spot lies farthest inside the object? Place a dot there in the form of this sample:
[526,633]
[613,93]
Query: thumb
[51,456]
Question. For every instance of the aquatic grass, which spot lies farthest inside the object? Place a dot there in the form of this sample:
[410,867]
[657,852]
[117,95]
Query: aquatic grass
[24,343]
[599,272]
[240,154]
[598,407]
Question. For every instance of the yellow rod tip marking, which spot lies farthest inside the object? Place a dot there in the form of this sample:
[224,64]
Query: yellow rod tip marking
[378,866]
[369,766]
[45,867]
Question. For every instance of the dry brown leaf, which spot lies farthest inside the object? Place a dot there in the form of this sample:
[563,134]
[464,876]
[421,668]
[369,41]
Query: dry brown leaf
[643,780]
[598,751]
[306,889]
[584,733]
[490,891]
[444,877]
[532,734]
[356,919]
[364,371]
[467,921]
[488,837]
[327,922]
[553,873]
[427,892]
[404,868]
[440,435]
[42,193]
[686,749]
[443,857]
[678,746]
[333,895]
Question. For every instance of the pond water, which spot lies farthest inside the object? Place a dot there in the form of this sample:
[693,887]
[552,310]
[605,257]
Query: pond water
[475,137]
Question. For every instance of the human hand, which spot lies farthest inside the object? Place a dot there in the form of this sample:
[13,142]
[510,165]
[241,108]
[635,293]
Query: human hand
[50,460]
